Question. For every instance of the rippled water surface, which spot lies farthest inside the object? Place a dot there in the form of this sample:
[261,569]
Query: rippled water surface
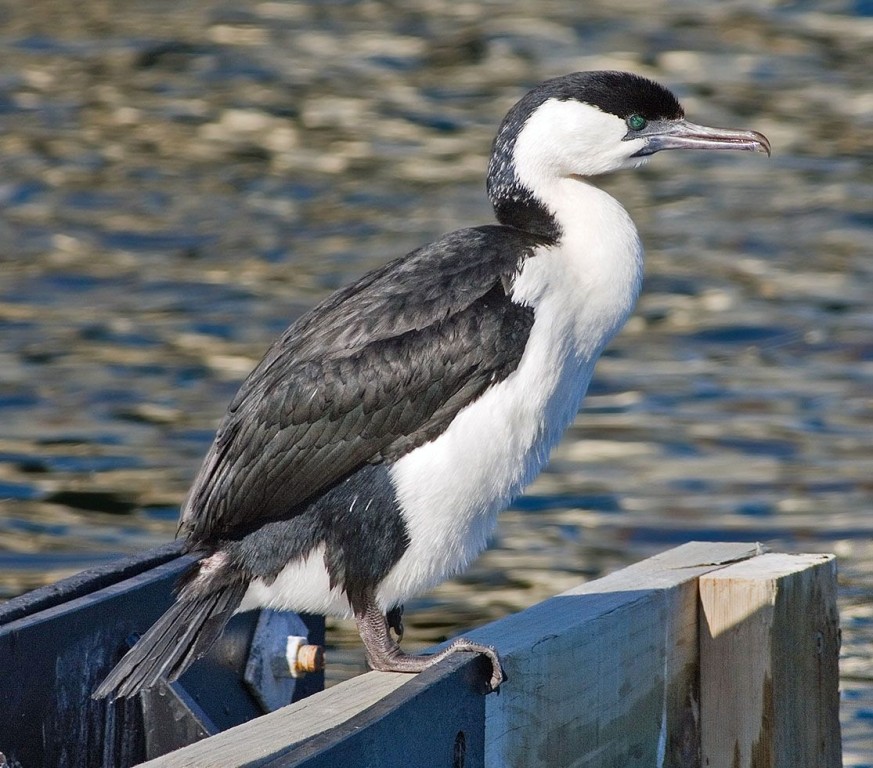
[181,180]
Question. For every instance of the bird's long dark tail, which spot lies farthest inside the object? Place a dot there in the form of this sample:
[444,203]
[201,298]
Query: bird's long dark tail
[177,639]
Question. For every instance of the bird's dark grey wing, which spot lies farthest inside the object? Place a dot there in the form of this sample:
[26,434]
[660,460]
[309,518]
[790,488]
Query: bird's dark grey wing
[374,371]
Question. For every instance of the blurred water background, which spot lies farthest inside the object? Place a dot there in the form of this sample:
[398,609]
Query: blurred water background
[180,180]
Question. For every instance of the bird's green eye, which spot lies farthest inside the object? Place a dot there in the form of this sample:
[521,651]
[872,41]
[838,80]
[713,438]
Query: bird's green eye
[637,122]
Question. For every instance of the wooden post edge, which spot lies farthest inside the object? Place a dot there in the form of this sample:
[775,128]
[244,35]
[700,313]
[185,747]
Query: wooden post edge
[379,718]
[769,645]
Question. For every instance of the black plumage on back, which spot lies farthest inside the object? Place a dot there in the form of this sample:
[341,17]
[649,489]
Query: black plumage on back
[374,371]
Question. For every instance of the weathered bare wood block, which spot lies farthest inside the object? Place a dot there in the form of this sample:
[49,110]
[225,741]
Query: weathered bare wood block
[769,648]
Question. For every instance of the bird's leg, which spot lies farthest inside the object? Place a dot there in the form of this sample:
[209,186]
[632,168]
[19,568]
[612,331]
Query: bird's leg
[385,655]
[395,621]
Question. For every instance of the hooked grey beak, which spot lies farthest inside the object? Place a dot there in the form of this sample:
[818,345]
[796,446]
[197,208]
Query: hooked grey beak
[681,134]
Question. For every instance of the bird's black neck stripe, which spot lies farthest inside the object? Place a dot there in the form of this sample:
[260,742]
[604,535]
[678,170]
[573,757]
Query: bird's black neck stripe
[514,204]
[523,211]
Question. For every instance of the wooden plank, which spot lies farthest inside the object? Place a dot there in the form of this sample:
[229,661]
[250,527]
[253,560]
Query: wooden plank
[606,673]
[436,720]
[430,720]
[769,664]
[255,742]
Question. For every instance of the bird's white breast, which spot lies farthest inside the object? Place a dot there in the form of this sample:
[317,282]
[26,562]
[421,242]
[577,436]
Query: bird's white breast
[451,489]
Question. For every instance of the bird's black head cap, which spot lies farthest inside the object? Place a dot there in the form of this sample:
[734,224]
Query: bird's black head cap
[619,93]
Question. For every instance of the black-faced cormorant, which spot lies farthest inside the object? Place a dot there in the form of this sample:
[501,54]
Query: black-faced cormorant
[367,456]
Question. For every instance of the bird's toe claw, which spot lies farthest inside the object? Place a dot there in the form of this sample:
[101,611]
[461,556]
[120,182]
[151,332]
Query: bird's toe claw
[394,617]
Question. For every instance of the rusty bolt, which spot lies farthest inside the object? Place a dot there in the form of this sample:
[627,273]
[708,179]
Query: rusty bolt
[300,658]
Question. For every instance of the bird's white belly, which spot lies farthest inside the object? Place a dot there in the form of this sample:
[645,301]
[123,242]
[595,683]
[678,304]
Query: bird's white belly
[451,489]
